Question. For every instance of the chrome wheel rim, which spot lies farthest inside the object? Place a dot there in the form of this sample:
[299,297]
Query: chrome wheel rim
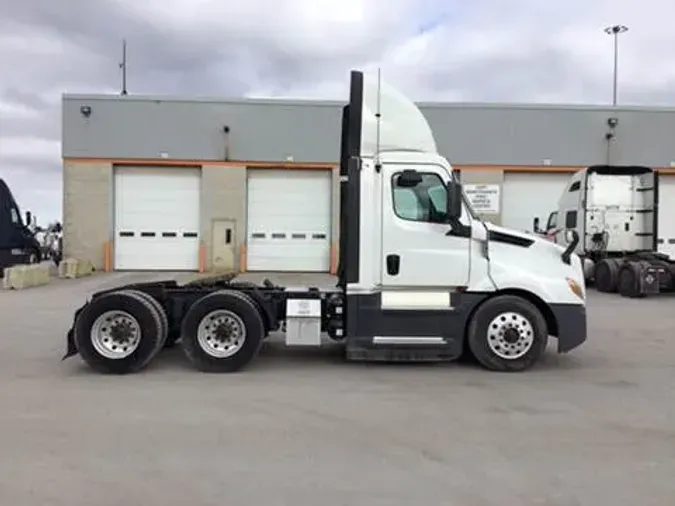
[510,336]
[115,334]
[221,333]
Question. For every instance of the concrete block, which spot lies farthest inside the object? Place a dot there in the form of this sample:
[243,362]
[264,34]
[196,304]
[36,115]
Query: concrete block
[72,268]
[19,277]
[6,278]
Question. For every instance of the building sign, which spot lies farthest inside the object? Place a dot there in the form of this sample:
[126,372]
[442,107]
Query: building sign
[484,198]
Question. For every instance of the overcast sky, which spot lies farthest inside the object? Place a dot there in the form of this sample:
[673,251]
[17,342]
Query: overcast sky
[480,50]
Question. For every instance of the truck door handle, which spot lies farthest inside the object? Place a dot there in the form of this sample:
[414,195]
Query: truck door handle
[393,264]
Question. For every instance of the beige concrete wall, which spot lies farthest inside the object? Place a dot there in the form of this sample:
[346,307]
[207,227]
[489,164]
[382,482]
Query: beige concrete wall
[87,210]
[490,176]
[223,198]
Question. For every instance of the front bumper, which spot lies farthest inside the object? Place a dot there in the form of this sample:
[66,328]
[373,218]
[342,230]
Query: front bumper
[571,320]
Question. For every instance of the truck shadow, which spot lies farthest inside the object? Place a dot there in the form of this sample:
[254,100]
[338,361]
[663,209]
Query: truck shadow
[274,356]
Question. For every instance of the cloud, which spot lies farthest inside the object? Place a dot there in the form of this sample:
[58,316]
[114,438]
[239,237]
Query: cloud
[492,50]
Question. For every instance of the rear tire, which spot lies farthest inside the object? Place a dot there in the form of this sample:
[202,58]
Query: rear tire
[222,332]
[118,333]
[629,280]
[606,276]
[508,334]
[161,314]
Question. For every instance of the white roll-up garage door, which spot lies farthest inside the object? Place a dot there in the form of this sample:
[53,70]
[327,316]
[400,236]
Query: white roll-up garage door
[526,196]
[157,218]
[666,225]
[289,220]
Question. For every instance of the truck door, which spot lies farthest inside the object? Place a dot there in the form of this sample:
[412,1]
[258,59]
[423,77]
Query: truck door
[420,249]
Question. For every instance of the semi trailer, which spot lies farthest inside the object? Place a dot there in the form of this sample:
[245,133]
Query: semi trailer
[615,212]
[18,244]
[420,277]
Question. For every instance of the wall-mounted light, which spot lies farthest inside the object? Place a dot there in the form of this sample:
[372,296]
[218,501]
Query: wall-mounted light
[612,123]
[85,110]
[226,133]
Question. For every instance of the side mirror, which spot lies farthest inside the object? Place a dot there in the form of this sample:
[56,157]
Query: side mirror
[454,200]
[535,225]
[571,236]
[409,179]
[29,218]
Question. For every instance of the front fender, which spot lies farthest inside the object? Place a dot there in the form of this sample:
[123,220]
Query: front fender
[506,281]
[548,284]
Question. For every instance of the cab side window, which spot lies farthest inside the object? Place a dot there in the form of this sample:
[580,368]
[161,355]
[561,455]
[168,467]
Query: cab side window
[426,202]
[15,216]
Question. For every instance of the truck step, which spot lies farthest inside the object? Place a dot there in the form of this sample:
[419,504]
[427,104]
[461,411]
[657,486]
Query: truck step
[448,350]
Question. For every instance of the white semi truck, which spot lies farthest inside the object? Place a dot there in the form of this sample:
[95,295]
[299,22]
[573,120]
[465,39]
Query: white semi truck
[421,277]
[614,210]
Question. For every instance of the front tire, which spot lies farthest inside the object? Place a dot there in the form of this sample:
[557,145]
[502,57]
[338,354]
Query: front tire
[222,332]
[34,257]
[508,334]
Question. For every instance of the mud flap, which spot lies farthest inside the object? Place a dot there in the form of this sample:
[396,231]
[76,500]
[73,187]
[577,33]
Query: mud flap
[71,349]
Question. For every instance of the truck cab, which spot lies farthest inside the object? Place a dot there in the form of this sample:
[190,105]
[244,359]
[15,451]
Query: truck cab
[17,242]
[418,263]
[421,277]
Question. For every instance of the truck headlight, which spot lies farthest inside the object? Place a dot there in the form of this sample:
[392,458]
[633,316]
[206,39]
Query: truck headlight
[575,288]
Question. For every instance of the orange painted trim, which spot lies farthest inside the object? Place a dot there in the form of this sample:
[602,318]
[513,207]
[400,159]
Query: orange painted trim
[334,251]
[202,257]
[107,256]
[242,257]
[161,162]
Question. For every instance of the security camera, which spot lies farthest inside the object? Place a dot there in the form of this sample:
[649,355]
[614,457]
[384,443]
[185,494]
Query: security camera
[612,122]
[85,110]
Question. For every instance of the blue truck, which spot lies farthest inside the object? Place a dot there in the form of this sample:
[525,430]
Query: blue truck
[18,244]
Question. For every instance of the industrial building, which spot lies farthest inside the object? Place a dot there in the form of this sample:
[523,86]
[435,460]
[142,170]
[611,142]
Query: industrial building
[162,183]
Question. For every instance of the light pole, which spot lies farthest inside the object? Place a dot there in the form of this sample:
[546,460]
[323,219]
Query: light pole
[615,30]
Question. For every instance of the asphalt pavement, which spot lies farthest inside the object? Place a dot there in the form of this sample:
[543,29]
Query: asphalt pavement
[594,427]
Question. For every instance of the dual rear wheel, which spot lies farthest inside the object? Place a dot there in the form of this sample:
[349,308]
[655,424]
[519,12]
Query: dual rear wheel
[122,332]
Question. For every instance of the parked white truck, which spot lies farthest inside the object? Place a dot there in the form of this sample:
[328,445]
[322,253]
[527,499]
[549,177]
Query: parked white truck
[421,277]
[614,210]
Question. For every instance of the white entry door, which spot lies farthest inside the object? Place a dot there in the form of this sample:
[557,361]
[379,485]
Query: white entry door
[526,196]
[157,218]
[418,250]
[289,220]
